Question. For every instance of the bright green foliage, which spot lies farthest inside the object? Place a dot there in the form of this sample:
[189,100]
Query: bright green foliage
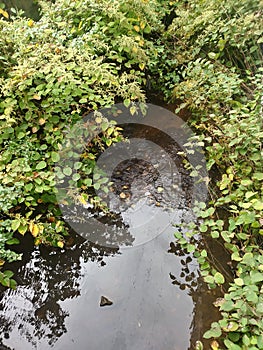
[217,55]
[79,57]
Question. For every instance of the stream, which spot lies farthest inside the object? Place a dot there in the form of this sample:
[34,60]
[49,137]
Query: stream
[142,292]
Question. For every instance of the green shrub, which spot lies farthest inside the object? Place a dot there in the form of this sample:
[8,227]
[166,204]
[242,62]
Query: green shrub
[79,57]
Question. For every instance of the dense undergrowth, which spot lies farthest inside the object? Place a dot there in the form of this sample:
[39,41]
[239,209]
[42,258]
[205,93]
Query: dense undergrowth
[84,55]
[79,57]
[216,50]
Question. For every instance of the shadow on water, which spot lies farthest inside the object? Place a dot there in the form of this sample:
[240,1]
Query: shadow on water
[158,299]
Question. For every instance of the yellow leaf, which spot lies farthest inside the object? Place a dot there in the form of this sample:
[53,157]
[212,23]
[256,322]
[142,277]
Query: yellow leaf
[214,345]
[33,228]
[142,66]
[2,262]
[4,13]
[36,97]
[98,120]
[134,49]
[137,28]
[35,231]
[41,121]
[38,241]
[142,25]
[31,225]
[82,200]
[30,23]
[60,244]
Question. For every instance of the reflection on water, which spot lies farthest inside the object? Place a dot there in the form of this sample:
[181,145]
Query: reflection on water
[155,289]
[159,300]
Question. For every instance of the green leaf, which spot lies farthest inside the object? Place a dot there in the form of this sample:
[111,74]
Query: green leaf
[258,205]
[22,229]
[213,333]
[209,279]
[133,110]
[13,241]
[126,103]
[260,341]
[41,165]
[8,273]
[13,284]
[231,327]
[55,157]
[252,297]
[96,186]
[77,165]
[219,278]
[87,182]
[15,224]
[259,308]
[256,276]
[239,282]
[227,305]
[258,176]
[67,171]
[230,345]
[76,177]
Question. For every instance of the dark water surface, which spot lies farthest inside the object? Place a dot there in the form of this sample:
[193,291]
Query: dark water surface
[159,300]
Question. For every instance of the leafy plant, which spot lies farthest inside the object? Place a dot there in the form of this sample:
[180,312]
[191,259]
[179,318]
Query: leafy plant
[216,50]
[79,57]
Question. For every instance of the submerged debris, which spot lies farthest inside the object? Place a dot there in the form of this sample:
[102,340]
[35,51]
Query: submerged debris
[105,301]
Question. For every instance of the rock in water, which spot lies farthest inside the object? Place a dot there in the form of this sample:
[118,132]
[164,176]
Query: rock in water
[105,301]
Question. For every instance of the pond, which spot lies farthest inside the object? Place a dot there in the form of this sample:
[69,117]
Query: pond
[142,292]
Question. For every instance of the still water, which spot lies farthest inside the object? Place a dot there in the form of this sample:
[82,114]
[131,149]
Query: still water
[157,299]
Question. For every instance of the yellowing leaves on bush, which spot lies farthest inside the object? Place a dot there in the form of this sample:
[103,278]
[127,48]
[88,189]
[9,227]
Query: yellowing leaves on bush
[4,13]
[34,229]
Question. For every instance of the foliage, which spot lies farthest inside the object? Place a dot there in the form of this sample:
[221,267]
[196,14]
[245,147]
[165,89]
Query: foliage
[216,50]
[79,57]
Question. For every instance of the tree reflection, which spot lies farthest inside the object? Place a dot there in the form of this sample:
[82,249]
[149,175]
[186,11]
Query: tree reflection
[45,280]
[204,312]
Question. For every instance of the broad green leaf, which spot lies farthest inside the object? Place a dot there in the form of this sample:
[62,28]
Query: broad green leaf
[41,165]
[55,157]
[219,278]
[67,171]
[15,224]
